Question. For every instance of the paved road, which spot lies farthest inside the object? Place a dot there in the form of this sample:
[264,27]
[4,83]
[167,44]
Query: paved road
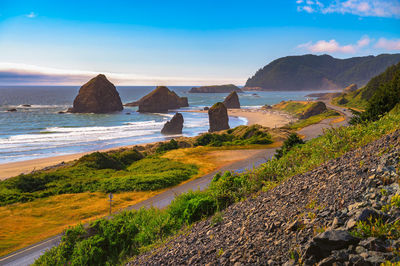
[28,255]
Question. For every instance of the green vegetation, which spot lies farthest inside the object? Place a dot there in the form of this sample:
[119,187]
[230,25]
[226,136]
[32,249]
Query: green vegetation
[386,95]
[314,119]
[288,144]
[128,233]
[296,108]
[167,146]
[311,72]
[377,228]
[104,172]
[241,135]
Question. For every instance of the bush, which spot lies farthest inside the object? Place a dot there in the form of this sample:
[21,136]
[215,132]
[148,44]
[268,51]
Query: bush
[167,146]
[288,144]
[127,157]
[100,160]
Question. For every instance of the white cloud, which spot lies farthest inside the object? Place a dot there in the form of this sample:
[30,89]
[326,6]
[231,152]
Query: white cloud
[365,8]
[31,15]
[332,46]
[388,44]
[31,75]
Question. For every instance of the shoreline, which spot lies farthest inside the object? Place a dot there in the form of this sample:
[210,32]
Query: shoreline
[262,117]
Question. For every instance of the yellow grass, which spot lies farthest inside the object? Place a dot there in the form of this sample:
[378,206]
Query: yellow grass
[338,120]
[23,224]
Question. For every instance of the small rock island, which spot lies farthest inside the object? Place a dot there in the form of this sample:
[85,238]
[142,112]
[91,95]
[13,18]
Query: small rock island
[97,96]
[218,117]
[160,100]
[232,101]
[174,126]
[215,89]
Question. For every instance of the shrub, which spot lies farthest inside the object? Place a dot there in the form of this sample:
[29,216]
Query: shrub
[100,160]
[127,157]
[167,146]
[288,144]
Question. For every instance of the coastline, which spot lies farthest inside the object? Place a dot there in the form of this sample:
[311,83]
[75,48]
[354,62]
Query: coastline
[265,118]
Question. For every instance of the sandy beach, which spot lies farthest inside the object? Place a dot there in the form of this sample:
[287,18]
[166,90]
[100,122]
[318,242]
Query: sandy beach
[267,118]
[263,117]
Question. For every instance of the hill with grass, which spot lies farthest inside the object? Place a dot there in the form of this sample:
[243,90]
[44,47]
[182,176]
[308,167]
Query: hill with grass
[312,72]
[375,89]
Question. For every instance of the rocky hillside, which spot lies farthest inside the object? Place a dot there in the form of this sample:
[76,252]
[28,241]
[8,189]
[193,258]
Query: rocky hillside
[311,72]
[319,216]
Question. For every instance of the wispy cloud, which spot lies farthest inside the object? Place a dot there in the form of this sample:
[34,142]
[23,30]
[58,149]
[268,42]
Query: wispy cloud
[22,74]
[388,44]
[332,46]
[365,8]
[31,15]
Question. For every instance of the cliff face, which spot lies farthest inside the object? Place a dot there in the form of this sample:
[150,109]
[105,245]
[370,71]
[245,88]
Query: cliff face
[311,72]
[160,100]
[215,89]
[99,96]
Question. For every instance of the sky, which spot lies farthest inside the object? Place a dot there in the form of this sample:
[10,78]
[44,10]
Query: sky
[136,42]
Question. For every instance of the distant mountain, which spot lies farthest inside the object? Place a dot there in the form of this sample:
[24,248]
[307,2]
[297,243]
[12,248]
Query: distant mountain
[216,89]
[312,72]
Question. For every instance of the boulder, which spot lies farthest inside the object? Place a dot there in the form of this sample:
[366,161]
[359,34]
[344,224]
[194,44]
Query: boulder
[206,108]
[160,100]
[218,117]
[12,110]
[315,109]
[26,105]
[232,100]
[174,126]
[215,89]
[352,87]
[97,96]
[323,244]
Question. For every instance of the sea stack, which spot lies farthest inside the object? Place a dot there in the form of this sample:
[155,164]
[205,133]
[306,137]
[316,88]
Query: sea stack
[160,101]
[174,126]
[218,117]
[97,96]
[232,101]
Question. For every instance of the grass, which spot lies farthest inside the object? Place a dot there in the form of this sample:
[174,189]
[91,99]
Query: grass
[316,119]
[293,107]
[23,224]
[351,100]
[30,222]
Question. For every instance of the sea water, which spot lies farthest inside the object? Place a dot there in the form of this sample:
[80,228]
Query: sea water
[40,131]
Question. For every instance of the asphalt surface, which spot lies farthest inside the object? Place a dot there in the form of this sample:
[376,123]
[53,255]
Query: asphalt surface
[28,255]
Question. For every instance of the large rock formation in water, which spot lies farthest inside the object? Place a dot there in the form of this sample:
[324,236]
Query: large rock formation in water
[160,100]
[98,96]
[174,126]
[215,89]
[218,117]
[232,100]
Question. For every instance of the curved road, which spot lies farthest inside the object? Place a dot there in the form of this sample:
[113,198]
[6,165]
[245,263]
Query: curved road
[28,255]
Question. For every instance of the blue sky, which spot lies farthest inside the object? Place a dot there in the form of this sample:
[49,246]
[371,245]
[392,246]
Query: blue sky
[182,42]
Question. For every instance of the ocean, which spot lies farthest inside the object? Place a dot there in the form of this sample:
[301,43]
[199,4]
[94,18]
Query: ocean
[39,131]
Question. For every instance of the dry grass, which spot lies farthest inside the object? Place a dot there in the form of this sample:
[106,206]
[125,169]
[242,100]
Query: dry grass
[23,224]
[338,120]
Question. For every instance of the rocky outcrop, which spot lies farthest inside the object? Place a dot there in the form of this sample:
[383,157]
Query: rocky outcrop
[12,110]
[174,126]
[315,109]
[97,96]
[280,225]
[218,117]
[160,100]
[215,89]
[352,87]
[232,101]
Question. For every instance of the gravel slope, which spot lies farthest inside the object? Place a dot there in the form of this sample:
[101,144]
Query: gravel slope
[268,228]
